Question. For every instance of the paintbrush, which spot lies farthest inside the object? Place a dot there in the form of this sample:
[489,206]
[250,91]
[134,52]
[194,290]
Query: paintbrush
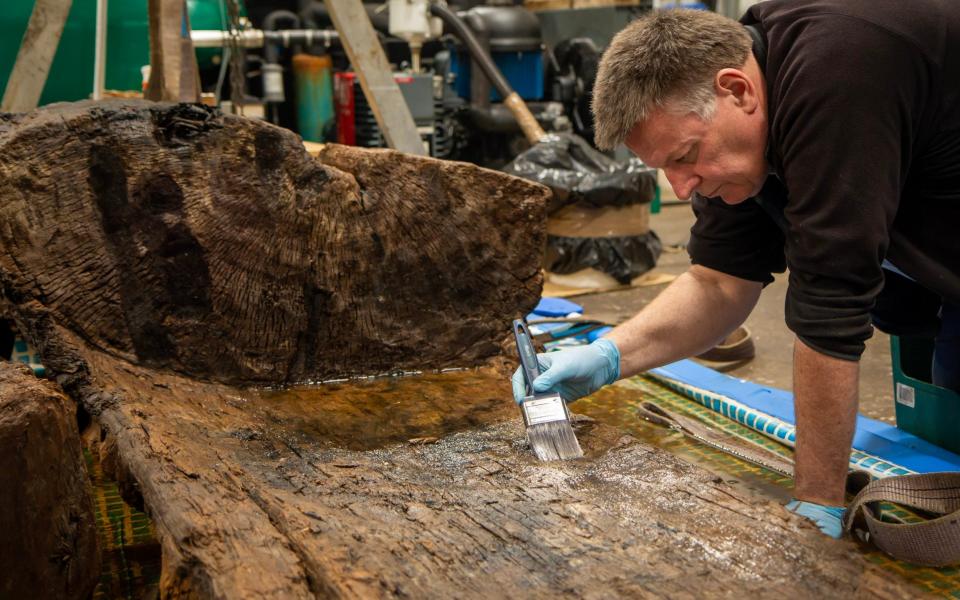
[546,416]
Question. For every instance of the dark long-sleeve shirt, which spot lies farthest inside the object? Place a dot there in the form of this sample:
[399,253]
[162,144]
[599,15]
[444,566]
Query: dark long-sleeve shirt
[864,141]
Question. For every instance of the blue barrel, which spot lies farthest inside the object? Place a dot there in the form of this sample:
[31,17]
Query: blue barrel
[314,77]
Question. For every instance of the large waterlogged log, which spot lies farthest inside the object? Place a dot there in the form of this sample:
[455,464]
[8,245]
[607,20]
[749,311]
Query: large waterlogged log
[174,237]
[163,257]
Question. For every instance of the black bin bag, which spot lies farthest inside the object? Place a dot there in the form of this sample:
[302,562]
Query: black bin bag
[584,178]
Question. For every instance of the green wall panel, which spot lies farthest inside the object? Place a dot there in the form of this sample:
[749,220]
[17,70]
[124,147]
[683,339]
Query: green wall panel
[128,45]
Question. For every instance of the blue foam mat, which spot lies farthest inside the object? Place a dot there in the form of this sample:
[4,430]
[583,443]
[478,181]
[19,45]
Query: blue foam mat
[556,307]
[872,436]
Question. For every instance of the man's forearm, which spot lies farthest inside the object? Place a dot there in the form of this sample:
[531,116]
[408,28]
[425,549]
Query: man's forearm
[695,312]
[825,403]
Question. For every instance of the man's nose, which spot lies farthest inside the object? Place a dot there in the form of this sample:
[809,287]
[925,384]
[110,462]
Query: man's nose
[684,182]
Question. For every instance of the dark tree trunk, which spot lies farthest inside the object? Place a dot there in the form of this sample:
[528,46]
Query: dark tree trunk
[48,534]
[173,237]
[161,257]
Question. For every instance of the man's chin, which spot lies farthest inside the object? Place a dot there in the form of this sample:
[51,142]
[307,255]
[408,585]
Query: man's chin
[735,194]
[733,197]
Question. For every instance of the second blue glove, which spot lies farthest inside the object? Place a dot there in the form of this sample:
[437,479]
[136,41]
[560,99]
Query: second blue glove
[828,518]
[573,373]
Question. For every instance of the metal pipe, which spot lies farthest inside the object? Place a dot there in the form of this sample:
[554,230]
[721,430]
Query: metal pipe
[255,38]
[316,14]
[497,118]
[271,20]
[100,51]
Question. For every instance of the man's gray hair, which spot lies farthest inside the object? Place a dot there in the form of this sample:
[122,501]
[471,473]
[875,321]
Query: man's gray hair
[667,56]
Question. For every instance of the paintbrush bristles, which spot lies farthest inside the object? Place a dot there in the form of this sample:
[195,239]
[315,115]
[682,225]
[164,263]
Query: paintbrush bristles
[554,441]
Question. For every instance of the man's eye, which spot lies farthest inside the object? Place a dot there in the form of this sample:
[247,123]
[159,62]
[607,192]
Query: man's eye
[690,156]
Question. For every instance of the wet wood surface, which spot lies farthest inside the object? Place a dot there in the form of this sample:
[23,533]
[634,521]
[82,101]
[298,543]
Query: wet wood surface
[251,500]
[164,260]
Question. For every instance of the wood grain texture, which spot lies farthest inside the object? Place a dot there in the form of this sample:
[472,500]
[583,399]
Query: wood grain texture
[171,236]
[251,502]
[174,75]
[362,45]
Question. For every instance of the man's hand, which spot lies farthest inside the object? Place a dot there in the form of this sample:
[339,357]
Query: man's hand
[828,518]
[573,373]
[695,312]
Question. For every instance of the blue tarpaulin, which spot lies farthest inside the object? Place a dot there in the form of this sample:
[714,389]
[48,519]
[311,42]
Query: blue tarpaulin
[872,437]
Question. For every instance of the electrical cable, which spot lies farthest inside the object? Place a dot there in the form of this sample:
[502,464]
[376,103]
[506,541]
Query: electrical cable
[224,55]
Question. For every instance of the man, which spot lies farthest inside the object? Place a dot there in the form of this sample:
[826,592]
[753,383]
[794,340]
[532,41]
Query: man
[827,141]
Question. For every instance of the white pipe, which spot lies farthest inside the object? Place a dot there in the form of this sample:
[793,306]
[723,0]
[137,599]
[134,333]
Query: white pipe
[100,51]
[255,38]
[212,38]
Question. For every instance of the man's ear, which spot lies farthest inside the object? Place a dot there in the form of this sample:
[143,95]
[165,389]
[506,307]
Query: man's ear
[736,85]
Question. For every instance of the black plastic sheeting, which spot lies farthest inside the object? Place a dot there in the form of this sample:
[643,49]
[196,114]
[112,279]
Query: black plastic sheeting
[578,173]
[623,258]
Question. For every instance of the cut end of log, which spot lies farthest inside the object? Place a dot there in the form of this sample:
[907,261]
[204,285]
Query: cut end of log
[48,535]
[175,237]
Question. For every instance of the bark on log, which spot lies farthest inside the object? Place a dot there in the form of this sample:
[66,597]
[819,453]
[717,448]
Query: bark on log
[48,534]
[174,237]
[213,247]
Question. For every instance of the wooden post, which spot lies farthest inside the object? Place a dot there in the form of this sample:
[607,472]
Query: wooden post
[382,92]
[100,51]
[174,76]
[37,50]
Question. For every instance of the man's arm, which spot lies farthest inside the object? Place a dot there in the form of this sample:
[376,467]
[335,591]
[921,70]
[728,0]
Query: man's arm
[695,312]
[691,316]
[825,403]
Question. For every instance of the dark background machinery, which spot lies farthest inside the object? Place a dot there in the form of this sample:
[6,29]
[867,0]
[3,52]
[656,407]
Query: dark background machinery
[455,99]
[459,114]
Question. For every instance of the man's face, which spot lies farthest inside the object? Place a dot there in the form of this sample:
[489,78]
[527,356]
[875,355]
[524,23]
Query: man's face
[721,157]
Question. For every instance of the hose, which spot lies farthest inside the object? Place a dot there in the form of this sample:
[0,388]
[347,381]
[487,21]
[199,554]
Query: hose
[270,51]
[528,123]
[477,52]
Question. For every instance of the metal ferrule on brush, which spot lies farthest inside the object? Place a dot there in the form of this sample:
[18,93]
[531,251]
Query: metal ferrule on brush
[544,409]
[546,416]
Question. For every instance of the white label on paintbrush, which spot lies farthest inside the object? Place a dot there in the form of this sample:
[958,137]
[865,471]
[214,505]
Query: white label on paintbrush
[544,410]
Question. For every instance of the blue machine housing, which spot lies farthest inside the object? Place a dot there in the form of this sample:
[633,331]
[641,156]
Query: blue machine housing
[523,70]
[512,36]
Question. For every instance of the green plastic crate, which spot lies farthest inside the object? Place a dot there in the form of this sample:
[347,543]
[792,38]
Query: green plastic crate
[929,412]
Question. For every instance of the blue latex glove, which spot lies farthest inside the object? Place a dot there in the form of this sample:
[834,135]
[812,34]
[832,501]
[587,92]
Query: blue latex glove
[828,518]
[573,373]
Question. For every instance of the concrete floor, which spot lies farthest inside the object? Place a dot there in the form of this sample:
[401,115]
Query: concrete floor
[774,342]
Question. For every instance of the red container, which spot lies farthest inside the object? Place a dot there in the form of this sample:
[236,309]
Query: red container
[344,105]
